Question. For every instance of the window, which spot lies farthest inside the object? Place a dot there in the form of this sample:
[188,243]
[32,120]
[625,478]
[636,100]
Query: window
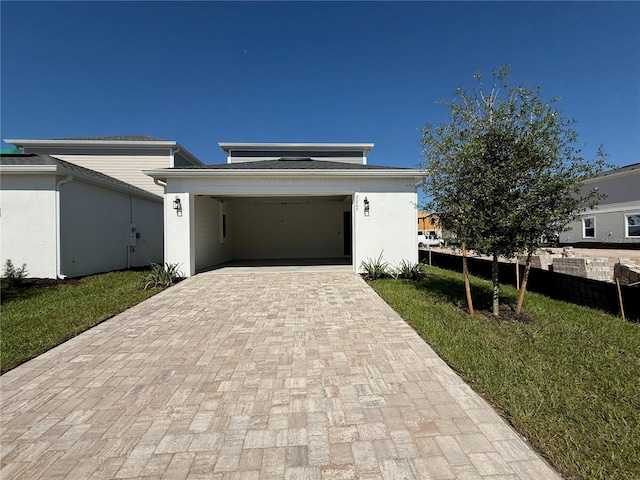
[633,225]
[589,227]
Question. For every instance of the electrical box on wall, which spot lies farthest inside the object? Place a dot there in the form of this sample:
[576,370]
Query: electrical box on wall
[131,234]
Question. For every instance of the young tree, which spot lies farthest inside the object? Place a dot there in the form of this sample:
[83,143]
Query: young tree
[506,171]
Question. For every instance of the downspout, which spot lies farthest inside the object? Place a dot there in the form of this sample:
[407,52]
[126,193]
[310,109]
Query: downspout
[172,154]
[132,221]
[59,273]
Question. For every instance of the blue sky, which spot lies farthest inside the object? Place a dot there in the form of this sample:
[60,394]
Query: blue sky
[204,72]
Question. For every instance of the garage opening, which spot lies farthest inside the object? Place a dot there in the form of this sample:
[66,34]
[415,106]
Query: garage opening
[273,230]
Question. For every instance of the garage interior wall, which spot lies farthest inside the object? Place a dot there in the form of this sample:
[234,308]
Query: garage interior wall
[308,228]
[28,223]
[211,247]
[95,229]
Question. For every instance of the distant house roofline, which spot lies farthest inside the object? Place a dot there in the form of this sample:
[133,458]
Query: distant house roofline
[361,147]
[118,142]
[631,169]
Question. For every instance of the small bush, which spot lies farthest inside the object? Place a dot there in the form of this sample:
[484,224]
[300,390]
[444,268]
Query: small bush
[410,271]
[375,269]
[14,276]
[161,276]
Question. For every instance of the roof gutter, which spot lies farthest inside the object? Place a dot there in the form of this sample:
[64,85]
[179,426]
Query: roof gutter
[21,143]
[164,174]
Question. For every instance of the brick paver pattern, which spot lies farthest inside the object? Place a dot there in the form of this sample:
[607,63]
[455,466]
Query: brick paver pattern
[254,375]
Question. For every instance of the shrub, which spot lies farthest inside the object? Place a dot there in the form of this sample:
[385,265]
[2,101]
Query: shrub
[410,271]
[161,276]
[14,276]
[375,269]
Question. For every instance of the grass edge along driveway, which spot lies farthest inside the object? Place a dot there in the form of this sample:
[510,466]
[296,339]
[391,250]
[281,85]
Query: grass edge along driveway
[34,320]
[566,377]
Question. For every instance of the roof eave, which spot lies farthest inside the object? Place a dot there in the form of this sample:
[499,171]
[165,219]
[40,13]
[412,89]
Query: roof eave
[92,143]
[61,170]
[163,174]
[28,169]
[365,147]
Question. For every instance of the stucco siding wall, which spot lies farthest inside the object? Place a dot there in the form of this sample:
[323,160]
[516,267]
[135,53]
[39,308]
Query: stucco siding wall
[127,168]
[391,225]
[291,230]
[148,218]
[617,188]
[208,230]
[94,233]
[28,223]
[390,228]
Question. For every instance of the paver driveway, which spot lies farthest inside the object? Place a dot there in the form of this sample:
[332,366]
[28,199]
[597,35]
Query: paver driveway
[253,375]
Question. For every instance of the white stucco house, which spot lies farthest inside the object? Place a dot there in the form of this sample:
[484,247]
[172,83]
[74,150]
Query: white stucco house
[315,202]
[615,222]
[78,206]
[64,220]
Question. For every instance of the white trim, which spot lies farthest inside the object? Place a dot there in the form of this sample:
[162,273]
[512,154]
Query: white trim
[614,207]
[91,143]
[584,227]
[255,173]
[28,169]
[626,225]
[360,147]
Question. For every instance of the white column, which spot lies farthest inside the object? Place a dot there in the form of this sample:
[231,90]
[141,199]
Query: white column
[180,232]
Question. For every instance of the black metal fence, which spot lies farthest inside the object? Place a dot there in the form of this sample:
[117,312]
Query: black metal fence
[581,291]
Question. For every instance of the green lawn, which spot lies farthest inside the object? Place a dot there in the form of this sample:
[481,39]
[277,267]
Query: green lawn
[33,320]
[566,377]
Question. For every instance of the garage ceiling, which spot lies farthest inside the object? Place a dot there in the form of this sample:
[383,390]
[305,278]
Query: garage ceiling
[288,199]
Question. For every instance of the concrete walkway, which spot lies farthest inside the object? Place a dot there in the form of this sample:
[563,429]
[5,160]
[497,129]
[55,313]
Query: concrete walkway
[254,375]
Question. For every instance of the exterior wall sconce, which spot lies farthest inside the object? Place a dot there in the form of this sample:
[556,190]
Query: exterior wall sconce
[366,207]
[177,205]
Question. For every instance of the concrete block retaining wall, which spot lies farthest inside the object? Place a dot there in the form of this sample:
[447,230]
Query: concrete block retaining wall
[627,272]
[595,268]
[538,261]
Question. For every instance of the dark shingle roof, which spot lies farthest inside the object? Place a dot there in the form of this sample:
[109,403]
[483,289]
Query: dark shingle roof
[289,164]
[125,138]
[32,159]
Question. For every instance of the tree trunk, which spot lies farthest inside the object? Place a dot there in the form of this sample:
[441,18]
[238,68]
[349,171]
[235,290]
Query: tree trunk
[523,285]
[496,286]
[465,271]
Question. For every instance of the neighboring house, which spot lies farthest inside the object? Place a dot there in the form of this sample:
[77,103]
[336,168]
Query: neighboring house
[121,157]
[429,225]
[289,201]
[616,220]
[64,220]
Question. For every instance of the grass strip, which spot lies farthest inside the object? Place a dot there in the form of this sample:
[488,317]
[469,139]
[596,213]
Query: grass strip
[34,320]
[566,377]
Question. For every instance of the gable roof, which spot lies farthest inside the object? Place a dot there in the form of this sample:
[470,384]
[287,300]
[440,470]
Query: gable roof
[33,163]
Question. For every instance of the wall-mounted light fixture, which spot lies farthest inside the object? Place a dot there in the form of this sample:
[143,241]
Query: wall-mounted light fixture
[366,207]
[177,205]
